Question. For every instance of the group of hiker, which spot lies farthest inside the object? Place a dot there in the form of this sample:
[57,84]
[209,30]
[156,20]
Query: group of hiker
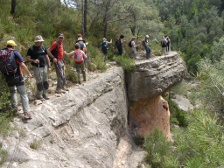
[11,63]
[165,44]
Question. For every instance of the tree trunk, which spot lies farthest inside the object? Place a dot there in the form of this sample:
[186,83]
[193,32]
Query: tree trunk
[13,6]
[85,16]
[105,22]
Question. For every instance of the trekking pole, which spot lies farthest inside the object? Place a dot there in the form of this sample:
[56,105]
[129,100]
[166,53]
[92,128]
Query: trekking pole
[60,73]
[38,65]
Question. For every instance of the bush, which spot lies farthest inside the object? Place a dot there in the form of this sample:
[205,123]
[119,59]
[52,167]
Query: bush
[125,62]
[198,145]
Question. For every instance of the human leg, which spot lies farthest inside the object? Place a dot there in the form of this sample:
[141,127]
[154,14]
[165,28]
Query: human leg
[24,98]
[37,73]
[13,95]
[59,66]
[147,49]
[83,71]
[78,69]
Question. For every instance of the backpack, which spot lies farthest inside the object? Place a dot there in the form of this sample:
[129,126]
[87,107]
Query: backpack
[129,44]
[163,43]
[78,56]
[104,46]
[81,45]
[118,43]
[54,52]
[143,42]
[8,64]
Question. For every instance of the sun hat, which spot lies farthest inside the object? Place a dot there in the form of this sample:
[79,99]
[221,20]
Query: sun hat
[11,43]
[80,39]
[61,35]
[38,39]
[147,36]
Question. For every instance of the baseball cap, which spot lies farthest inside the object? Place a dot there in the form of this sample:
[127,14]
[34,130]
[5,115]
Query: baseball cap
[11,43]
[61,35]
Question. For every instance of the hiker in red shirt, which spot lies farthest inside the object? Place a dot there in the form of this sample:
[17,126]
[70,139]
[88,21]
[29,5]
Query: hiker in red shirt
[56,52]
[79,57]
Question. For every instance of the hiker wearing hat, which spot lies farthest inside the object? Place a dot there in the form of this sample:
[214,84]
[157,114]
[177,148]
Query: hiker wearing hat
[56,53]
[37,55]
[104,47]
[146,45]
[79,57]
[15,79]
[82,45]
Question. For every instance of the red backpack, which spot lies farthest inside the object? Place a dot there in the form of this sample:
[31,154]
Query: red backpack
[78,56]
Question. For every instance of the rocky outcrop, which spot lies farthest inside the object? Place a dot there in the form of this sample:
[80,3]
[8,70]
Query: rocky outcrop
[82,128]
[87,127]
[155,76]
[145,85]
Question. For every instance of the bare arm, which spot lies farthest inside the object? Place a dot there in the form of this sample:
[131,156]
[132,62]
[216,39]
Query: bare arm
[24,67]
[69,54]
[51,55]
[48,61]
[109,42]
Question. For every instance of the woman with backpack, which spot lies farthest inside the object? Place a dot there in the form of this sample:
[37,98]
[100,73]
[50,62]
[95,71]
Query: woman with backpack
[79,57]
[104,47]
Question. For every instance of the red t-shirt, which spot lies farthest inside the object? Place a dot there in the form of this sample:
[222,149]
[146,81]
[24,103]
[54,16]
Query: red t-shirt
[60,49]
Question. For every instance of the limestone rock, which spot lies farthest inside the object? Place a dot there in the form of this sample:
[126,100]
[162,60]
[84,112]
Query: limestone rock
[154,77]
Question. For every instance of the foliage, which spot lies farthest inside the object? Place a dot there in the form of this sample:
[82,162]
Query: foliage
[126,62]
[157,147]
[198,145]
[36,144]
[209,92]
[178,116]
[193,27]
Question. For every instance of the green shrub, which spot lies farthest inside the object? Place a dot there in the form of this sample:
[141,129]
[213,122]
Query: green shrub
[157,147]
[36,144]
[125,62]
[178,116]
[200,144]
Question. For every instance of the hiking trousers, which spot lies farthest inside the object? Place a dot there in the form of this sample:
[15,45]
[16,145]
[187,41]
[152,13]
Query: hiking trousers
[80,68]
[21,89]
[60,71]
[148,51]
[41,77]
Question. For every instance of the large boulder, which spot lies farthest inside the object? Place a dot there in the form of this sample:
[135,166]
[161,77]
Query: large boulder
[153,77]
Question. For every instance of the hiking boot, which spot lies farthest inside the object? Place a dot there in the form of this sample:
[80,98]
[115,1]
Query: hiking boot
[27,116]
[40,98]
[46,97]
[60,91]
[65,89]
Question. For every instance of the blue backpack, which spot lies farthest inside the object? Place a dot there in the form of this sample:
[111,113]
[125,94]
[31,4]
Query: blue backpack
[8,64]
[104,46]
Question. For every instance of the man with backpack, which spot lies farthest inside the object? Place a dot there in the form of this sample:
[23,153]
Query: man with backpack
[37,55]
[133,46]
[56,52]
[79,57]
[168,43]
[104,47]
[163,43]
[119,45]
[145,43]
[11,62]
